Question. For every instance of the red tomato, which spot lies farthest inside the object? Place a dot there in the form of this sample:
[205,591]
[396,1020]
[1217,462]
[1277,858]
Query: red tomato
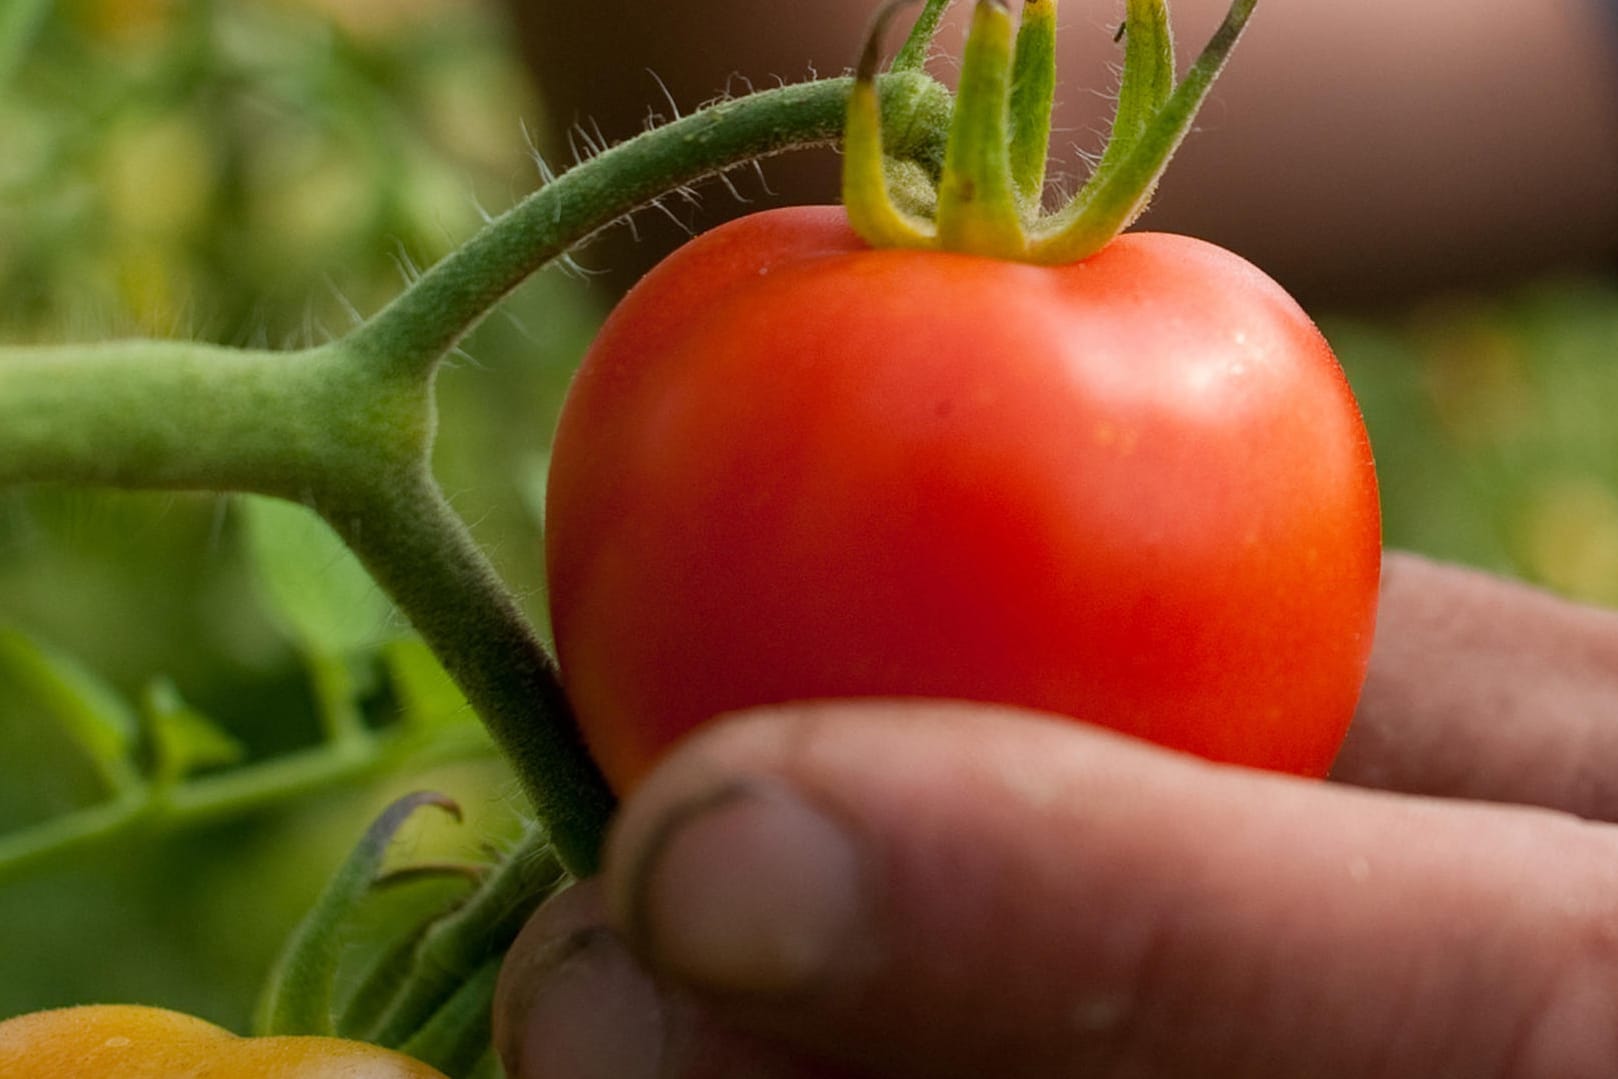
[1135,490]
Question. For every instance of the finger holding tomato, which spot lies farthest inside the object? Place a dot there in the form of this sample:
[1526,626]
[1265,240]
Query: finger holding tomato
[890,889]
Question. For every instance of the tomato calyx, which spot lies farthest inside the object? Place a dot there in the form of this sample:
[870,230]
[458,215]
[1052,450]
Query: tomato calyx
[989,200]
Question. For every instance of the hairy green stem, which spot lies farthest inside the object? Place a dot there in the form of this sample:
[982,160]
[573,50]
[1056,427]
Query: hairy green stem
[347,428]
[913,55]
[429,318]
[178,415]
[454,947]
[326,428]
[422,555]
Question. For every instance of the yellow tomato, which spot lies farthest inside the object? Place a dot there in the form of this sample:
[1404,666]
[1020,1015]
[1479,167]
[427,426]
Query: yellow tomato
[133,1042]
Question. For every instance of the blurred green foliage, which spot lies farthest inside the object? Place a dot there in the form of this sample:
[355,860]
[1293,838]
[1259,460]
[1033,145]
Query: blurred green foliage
[257,171]
[245,171]
[1491,420]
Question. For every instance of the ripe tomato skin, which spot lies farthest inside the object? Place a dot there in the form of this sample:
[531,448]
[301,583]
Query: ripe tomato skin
[1135,490]
[125,1041]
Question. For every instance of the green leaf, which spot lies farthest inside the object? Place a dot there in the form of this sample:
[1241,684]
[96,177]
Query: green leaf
[91,712]
[312,583]
[19,22]
[184,740]
[428,698]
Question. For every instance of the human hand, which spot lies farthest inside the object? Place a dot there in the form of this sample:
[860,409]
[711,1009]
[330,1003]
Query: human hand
[943,889]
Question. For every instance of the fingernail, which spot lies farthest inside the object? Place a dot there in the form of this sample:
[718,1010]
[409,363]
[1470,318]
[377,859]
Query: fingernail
[748,890]
[595,1015]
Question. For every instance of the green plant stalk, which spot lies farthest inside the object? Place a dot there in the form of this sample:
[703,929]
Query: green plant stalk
[380,982]
[335,698]
[441,579]
[324,427]
[178,415]
[425,322]
[488,1066]
[347,428]
[194,802]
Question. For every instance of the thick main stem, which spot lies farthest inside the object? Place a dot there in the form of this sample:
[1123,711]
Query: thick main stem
[422,555]
[176,415]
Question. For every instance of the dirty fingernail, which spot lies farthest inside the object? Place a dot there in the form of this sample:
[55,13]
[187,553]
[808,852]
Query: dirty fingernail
[747,890]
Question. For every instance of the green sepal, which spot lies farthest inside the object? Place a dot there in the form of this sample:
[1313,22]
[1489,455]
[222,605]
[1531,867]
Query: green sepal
[867,197]
[300,996]
[913,56]
[990,197]
[390,956]
[1147,85]
[455,946]
[457,1037]
[1033,94]
[1117,196]
[977,205]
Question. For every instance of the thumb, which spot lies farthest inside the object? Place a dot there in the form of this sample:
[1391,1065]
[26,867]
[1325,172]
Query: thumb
[951,890]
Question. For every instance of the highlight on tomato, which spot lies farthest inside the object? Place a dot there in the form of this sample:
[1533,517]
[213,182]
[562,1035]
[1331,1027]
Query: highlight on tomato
[945,444]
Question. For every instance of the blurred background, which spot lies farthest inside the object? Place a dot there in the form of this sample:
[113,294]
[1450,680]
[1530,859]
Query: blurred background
[258,171]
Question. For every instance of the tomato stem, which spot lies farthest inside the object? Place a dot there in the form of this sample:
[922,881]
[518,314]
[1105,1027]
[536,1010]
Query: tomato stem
[457,1036]
[419,328]
[989,200]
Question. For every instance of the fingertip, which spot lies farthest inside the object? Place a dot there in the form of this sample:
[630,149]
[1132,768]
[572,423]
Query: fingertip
[572,1002]
[747,888]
